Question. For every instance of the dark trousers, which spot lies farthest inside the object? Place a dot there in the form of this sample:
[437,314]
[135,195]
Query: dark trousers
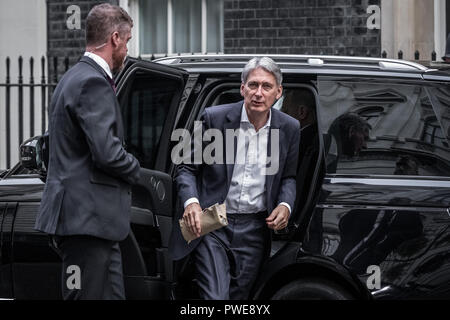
[228,260]
[91,268]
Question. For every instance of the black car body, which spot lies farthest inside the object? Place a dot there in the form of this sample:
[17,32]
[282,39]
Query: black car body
[365,226]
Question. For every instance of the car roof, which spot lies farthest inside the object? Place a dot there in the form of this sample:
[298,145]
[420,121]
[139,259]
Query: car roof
[315,64]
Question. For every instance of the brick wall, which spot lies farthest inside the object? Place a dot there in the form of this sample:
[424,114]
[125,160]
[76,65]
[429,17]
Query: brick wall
[300,27]
[64,42]
[251,26]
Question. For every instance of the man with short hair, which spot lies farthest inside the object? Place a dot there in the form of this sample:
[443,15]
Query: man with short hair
[347,136]
[86,201]
[228,260]
[300,104]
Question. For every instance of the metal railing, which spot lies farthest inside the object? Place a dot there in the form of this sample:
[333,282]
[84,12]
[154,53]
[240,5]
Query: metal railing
[36,109]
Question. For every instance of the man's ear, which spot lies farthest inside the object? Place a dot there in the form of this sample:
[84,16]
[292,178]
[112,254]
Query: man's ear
[280,92]
[115,38]
[242,89]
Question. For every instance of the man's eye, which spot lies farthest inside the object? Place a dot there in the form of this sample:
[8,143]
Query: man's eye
[267,86]
[252,85]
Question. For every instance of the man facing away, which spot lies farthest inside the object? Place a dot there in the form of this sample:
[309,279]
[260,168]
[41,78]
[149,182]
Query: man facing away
[228,260]
[86,200]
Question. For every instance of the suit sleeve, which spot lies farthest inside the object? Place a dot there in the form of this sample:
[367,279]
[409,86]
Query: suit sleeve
[288,179]
[97,116]
[186,173]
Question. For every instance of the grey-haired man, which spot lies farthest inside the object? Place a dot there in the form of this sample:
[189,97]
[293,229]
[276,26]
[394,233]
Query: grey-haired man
[228,260]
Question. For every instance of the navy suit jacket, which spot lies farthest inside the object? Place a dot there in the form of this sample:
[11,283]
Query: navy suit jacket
[210,183]
[87,191]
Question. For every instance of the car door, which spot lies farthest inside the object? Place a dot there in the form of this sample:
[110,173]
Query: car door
[385,197]
[149,95]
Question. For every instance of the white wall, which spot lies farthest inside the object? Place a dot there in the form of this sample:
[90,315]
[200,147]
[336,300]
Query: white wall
[411,25]
[23,31]
[440,36]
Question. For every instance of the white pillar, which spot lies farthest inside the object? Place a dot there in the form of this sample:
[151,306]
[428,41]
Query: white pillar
[439,28]
[204,26]
[169,27]
[23,29]
[387,27]
[132,7]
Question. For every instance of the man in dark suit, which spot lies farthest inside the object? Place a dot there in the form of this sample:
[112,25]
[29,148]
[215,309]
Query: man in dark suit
[228,260]
[86,201]
[300,104]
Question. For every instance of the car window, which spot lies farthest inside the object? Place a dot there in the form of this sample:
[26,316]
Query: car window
[440,96]
[230,95]
[144,113]
[381,128]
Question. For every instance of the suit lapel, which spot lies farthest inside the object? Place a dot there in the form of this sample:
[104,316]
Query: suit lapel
[233,122]
[275,124]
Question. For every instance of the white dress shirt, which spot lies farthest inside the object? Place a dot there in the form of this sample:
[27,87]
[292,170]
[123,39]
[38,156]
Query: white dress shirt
[247,193]
[100,61]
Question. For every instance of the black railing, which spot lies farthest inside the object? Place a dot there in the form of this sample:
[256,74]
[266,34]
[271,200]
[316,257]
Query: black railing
[416,55]
[35,110]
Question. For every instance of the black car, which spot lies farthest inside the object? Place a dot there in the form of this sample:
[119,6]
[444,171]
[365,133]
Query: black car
[372,217]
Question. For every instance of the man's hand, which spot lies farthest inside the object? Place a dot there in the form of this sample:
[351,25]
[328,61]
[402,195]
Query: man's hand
[191,218]
[278,219]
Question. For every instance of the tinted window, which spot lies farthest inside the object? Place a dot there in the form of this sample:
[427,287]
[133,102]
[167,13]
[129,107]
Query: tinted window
[230,95]
[385,129]
[440,96]
[146,107]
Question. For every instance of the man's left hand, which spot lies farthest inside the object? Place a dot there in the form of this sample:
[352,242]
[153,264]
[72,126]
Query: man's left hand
[278,219]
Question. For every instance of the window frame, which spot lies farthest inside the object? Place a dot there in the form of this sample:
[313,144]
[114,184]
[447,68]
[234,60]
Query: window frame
[135,47]
[381,81]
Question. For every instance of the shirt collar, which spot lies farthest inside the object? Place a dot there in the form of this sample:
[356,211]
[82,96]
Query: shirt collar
[244,117]
[100,61]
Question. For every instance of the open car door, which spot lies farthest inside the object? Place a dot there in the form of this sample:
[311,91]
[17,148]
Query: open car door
[149,95]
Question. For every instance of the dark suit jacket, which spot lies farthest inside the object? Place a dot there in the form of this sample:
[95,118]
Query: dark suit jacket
[89,174]
[210,183]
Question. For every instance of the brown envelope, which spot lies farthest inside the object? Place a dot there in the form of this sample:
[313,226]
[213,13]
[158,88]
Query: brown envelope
[213,218]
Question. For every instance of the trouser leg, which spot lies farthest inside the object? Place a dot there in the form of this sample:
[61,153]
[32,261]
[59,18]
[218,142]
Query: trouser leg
[91,268]
[115,275]
[228,260]
[249,245]
[212,269]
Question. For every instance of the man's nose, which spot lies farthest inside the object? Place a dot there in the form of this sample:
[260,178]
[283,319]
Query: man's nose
[259,91]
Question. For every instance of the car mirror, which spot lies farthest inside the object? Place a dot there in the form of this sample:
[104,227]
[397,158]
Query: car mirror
[32,154]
